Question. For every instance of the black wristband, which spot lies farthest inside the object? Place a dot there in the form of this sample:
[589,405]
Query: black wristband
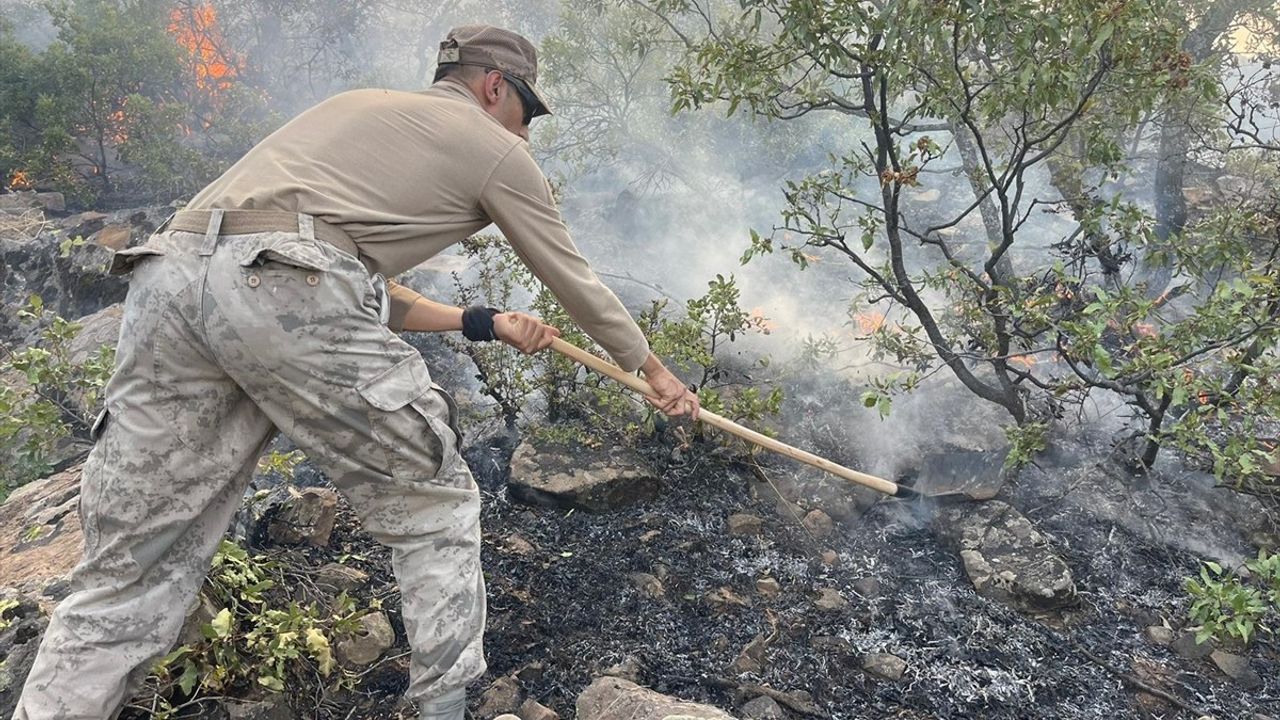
[477,323]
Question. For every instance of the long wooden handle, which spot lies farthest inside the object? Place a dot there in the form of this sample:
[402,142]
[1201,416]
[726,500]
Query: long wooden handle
[605,367]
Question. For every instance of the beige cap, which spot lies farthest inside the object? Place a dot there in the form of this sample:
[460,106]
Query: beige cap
[494,47]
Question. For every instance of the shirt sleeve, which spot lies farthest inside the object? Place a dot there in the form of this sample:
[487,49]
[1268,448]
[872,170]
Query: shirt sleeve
[518,200]
[402,300]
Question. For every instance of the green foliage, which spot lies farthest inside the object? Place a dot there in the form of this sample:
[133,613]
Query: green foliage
[1025,442]
[257,637]
[280,465]
[111,111]
[693,339]
[46,395]
[1226,606]
[1007,90]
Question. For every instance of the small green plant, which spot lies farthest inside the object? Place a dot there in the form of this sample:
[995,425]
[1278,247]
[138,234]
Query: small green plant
[281,465]
[1225,606]
[46,395]
[692,336]
[258,636]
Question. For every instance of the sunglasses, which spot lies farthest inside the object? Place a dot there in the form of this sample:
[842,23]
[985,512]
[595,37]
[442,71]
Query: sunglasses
[527,99]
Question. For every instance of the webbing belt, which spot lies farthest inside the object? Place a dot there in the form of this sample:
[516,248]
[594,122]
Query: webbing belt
[243,222]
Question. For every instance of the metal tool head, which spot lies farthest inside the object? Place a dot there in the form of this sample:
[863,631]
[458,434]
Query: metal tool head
[959,475]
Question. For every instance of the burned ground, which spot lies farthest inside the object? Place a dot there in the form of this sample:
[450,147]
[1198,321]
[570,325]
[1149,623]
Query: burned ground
[564,607]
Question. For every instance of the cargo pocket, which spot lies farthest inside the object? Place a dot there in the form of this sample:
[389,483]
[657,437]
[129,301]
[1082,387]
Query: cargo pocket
[122,261]
[411,424]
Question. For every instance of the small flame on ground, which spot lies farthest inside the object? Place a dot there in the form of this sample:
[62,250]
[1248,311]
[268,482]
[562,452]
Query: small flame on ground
[19,181]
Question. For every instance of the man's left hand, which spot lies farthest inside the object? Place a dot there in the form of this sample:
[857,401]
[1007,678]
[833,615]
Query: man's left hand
[523,332]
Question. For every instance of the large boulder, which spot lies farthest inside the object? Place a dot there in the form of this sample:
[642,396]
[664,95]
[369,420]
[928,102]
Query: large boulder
[574,476]
[64,262]
[40,542]
[1006,558]
[40,537]
[612,698]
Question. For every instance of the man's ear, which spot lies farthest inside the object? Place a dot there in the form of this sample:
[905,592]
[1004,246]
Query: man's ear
[492,81]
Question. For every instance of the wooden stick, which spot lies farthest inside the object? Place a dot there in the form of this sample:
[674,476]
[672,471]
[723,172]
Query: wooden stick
[605,367]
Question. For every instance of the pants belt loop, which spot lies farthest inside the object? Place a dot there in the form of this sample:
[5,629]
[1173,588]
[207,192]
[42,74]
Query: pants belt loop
[211,232]
[306,226]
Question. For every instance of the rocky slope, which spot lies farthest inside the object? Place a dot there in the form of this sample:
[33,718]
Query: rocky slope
[753,592]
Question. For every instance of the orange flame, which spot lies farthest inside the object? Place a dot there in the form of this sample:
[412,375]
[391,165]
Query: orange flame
[759,320]
[194,27]
[19,181]
[1026,361]
[869,322]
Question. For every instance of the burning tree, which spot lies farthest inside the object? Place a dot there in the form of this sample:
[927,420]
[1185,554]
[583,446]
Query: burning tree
[123,102]
[1031,103]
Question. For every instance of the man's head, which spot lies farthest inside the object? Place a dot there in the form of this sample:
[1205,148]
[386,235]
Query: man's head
[501,69]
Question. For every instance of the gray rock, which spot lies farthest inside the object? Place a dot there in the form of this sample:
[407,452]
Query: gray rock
[830,599]
[1237,668]
[885,665]
[503,696]
[763,708]
[768,586]
[373,638]
[1186,646]
[1159,635]
[610,698]
[724,598]
[745,524]
[752,657]
[339,577]
[648,584]
[594,480]
[296,516]
[1006,558]
[274,707]
[819,524]
[629,669]
[71,283]
[533,710]
[868,587]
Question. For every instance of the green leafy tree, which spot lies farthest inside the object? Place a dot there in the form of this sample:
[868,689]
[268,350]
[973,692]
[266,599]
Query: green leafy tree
[1004,93]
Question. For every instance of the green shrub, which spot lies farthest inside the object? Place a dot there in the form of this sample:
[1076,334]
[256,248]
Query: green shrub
[45,396]
[259,636]
[1226,606]
[549,388]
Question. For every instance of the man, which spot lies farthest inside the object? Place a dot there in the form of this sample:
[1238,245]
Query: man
[263,306]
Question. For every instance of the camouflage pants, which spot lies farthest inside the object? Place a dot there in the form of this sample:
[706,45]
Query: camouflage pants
[225,339]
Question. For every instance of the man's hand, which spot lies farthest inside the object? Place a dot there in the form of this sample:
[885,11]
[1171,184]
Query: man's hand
[523,332]
[674,398]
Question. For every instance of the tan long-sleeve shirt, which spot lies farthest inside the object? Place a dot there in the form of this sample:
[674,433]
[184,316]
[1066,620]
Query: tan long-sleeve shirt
[406,175]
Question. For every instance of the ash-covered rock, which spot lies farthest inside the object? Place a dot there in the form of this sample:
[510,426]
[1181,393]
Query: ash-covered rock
[575,476]
[1007,558]
[611,698]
